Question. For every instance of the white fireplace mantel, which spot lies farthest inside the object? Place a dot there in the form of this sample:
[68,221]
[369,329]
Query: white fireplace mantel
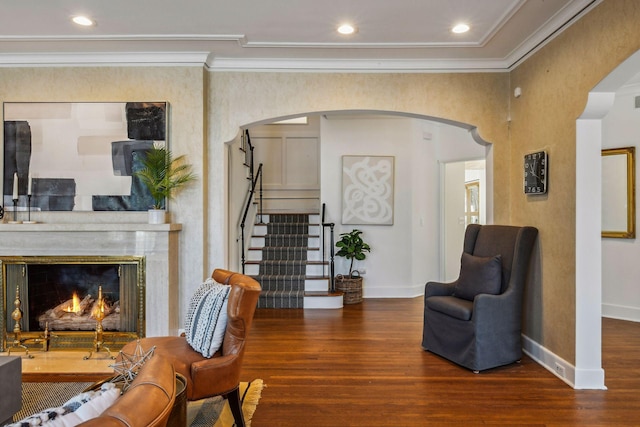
[157,243]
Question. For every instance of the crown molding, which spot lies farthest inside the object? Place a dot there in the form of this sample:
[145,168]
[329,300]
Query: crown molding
[238,38]
[562,20]
[356,65]
[103,59]
[110,59]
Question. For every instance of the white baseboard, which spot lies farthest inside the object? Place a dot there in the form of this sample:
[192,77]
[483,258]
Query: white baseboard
[576,378]
[621,312]
[392,292]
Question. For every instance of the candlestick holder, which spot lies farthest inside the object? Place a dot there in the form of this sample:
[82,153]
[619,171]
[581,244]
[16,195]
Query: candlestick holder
[28,221]
[98,340]
[15,213]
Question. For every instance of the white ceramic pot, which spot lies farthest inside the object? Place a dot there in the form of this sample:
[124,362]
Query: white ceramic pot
[157,216]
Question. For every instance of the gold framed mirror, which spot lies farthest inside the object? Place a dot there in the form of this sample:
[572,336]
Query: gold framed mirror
[618,193]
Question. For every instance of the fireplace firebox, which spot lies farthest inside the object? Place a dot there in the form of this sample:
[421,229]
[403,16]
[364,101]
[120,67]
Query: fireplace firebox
[59,298]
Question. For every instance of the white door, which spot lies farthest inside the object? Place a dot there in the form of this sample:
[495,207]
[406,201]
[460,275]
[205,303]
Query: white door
[463,203]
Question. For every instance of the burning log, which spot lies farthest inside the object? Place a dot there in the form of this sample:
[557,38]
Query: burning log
[70,307]
[80,315]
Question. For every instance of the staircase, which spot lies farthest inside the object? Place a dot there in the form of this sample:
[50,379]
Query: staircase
[285,257]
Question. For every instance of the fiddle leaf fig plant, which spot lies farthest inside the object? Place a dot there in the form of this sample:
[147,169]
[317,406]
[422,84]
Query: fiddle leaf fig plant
[164,175]
[352,247]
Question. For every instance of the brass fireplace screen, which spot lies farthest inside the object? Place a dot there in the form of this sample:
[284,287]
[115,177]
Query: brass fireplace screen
[56,297]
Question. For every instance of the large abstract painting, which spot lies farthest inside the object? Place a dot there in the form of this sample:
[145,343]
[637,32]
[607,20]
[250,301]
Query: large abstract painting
[367,190]
[79,156]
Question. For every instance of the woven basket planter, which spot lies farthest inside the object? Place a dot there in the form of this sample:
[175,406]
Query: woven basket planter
[351,287]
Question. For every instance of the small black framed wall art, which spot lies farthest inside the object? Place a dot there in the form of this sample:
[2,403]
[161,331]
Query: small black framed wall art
[536,172]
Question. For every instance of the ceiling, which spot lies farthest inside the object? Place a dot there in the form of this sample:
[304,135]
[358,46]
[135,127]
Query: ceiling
[399,35]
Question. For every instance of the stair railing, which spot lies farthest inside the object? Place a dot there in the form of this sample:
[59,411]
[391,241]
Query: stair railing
[331,225]
[255,180]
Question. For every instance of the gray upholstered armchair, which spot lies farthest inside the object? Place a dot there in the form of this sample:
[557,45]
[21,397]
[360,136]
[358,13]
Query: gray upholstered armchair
[476,320]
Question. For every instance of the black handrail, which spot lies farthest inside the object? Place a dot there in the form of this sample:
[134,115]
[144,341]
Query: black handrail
[254,181]
[332,283]
[251,172]
[246,210]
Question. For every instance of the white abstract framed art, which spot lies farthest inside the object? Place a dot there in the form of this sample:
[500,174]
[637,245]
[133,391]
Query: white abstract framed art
[367,190]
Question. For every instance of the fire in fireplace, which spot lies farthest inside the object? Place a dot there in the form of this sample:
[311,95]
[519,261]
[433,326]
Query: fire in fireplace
[62,296]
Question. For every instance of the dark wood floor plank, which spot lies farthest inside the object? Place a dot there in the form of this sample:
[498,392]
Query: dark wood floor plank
[363,366]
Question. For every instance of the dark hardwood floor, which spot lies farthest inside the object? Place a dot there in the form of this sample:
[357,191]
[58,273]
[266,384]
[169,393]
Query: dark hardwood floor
[363,366]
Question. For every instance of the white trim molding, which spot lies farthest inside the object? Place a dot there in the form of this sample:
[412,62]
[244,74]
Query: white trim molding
[91,59]
[621,312]
[574,377]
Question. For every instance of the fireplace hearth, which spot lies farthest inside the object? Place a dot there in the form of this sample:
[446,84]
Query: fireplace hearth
[59,299]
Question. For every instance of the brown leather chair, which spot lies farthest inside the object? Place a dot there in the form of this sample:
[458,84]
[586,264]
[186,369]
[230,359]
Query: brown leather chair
[148,402]
[219,375]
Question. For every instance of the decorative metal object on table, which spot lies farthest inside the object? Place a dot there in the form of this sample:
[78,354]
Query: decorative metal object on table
[129,365]
[98,340]
[18,341]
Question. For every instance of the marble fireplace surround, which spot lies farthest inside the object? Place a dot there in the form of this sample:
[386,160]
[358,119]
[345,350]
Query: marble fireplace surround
[158,244]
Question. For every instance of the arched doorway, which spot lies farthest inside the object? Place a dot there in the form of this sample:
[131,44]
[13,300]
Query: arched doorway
[427,142]
[589,372]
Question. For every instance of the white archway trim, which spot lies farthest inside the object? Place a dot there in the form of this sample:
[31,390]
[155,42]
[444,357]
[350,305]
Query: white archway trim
[588,369]
[473,131]
[482,149]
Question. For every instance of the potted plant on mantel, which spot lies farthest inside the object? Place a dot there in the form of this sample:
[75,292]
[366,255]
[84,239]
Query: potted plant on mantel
[352,247]
[164,176]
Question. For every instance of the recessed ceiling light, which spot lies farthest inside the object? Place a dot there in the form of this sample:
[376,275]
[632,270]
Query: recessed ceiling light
[460,28]
[346,29]
[83,20]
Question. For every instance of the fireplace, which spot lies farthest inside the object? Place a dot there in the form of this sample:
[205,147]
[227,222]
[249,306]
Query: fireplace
[59,296]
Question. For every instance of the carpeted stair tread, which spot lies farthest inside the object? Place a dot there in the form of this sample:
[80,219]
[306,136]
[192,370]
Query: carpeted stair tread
[286,240]
[285,286]
[282,270]
[283,267]
[281,278]
[291,261]
[258,248]
[301,278]
[276,299]
[291,235]
[277,278]
[288,229]
[288,218]
[284,253]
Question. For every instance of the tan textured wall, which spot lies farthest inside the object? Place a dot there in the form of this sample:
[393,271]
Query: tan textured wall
[182,87]
[238,99]
[555,83]
[480,100]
